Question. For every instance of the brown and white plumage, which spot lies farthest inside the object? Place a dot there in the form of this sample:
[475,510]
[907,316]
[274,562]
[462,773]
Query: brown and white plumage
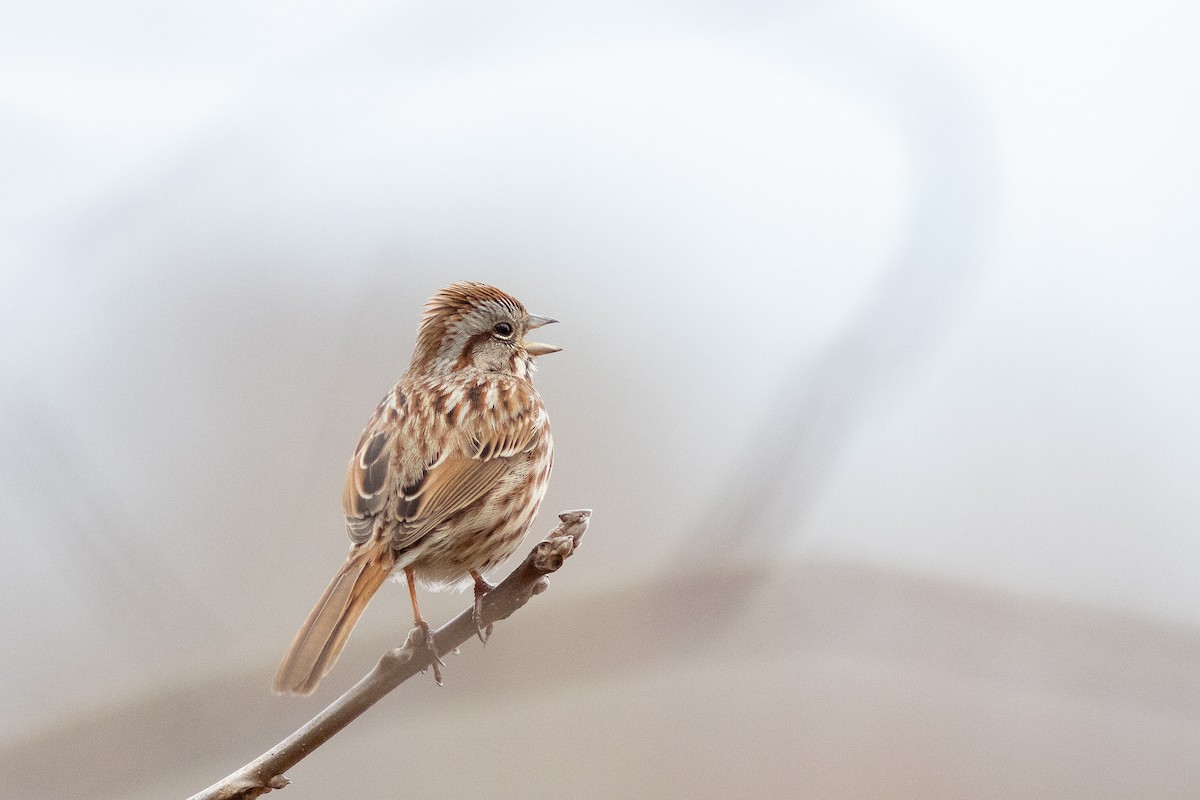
[448,474]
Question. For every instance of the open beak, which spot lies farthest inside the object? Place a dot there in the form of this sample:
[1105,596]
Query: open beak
[537,348]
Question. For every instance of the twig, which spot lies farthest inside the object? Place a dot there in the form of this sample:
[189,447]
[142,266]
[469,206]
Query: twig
[396,666]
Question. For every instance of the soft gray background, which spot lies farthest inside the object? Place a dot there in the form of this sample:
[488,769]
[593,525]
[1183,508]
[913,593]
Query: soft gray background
[880,374]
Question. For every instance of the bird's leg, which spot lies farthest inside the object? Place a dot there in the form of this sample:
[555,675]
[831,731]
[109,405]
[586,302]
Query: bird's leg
[482,587]
[423,626]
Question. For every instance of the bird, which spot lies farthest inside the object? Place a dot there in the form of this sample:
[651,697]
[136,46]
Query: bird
[447,476]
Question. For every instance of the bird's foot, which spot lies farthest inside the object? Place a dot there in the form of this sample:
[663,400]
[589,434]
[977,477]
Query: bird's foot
[482,587]
[423,632]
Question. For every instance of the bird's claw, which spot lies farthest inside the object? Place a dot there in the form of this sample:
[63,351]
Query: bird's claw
[425,633]
[482,587]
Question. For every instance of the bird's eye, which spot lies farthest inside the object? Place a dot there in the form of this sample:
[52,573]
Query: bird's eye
[502,329]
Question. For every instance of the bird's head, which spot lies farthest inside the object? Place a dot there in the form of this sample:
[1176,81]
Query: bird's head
[473,326]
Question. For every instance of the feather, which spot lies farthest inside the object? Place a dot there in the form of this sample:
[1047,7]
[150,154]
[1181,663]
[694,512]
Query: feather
[323,635]
[451,486]
[364,494]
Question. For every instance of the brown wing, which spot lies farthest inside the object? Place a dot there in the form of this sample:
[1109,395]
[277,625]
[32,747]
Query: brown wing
[477,459]
[476,464]
[444,490]
[366,490]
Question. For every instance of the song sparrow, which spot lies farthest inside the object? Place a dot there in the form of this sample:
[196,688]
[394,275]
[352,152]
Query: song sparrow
[447,475]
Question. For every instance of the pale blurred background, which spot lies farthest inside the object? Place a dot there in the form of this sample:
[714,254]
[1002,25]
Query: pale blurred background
[880,374]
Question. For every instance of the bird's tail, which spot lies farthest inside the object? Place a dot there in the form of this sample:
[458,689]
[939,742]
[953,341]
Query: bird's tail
[323,635]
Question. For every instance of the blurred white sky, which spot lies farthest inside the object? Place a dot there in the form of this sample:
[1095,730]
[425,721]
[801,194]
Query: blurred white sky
[217,223]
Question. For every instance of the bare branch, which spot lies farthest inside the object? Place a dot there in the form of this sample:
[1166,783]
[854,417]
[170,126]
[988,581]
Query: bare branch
[396,666]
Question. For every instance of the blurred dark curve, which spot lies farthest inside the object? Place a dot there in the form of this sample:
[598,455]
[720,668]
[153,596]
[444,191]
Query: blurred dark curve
[899,326]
